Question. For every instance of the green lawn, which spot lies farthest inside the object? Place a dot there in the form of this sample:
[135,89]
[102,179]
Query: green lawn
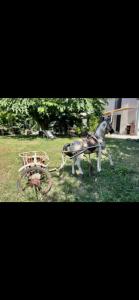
[120,183]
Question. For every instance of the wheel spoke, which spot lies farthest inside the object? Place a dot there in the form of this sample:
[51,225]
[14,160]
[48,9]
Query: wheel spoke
[41,191]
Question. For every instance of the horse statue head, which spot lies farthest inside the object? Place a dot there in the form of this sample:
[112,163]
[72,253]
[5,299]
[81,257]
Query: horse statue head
[105,127]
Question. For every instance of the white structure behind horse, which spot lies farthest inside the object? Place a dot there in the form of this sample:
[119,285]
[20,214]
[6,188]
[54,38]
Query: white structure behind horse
[126,118]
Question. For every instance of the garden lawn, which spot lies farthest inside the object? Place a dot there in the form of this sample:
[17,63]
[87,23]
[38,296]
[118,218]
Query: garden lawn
[118,184]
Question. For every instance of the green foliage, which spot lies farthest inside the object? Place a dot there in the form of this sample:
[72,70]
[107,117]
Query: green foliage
[45,110]
[93,123]
[78,131]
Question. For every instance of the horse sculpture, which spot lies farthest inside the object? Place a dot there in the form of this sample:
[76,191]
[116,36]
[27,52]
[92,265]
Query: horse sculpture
[93,143]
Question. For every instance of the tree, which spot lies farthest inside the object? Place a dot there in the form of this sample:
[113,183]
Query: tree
[66,111]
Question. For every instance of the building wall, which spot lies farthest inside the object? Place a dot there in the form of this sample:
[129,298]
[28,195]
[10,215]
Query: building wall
[126,102]
[124,122]
[131,116]
[114,122]
[111,105]
[128,116]
[129,102]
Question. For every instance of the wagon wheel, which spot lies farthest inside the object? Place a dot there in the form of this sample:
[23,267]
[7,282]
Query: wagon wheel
[41,189]
[46,183]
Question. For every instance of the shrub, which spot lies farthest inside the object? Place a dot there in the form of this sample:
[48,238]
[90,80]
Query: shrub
[78,131]
[93,123]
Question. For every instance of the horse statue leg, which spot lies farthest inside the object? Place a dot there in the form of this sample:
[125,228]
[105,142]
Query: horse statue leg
[73,165]
[99,159]
[78,163]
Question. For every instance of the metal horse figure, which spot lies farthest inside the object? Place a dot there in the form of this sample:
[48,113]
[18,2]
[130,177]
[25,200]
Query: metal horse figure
[93,143]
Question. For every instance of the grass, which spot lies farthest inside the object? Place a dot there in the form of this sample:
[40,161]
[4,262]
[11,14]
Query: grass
[118,184]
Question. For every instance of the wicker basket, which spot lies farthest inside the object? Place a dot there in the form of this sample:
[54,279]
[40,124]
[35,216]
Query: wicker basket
[34,157]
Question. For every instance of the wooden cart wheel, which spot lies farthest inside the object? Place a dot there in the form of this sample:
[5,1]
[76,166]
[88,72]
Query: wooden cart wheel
[41,190]
[46,183]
